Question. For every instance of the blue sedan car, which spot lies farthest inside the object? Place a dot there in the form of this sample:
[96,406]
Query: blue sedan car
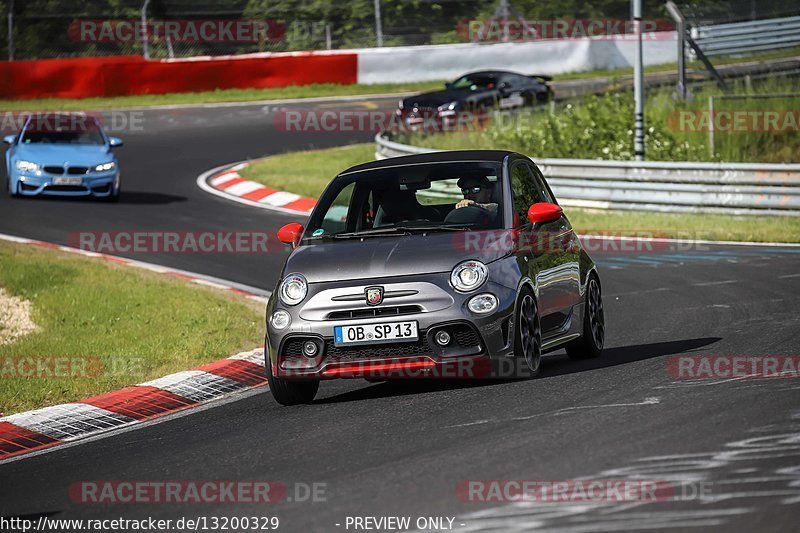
[62,154]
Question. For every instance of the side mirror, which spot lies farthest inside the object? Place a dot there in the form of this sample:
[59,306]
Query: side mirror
[114,142]
[447,85]
[544,212]
[10,139]
[290,233]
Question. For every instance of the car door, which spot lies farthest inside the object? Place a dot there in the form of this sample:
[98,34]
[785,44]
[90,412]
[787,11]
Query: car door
[563,245]
[543,255]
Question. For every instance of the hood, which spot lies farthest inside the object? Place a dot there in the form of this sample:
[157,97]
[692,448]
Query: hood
[434,98]
[407,255]
[58,154]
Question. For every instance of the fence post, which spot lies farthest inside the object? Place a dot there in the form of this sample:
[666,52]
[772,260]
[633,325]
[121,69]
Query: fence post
[711,148]
[11,30]
[328,43]
[680,22]
[378,27]
[638,84]
[145,36]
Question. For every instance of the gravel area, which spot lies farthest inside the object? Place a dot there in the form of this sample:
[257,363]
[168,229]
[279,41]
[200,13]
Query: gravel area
[15,318]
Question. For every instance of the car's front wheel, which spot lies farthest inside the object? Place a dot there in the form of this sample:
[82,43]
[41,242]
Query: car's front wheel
[288,392]
[528,337]
[594,325]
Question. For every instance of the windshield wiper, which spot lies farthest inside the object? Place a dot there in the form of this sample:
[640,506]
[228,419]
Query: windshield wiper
[375,232]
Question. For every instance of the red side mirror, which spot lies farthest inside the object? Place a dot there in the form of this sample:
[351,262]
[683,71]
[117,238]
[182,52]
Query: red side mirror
[544,212]
[290,233]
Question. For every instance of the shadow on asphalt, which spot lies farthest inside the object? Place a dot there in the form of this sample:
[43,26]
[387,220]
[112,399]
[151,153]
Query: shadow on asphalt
[127,197]
[551,367]
[620,355]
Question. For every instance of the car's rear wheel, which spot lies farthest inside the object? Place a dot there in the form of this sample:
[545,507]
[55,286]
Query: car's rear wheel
[528,336]
[288,392]
[594,326]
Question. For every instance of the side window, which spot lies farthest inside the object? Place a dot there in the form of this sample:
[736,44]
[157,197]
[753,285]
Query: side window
[524,192]
[335,220]
[544,192]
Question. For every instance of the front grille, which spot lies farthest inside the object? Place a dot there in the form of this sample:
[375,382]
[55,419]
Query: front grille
[77,171]
[378,351]
[294,347]
[54,170]
[372,312]
[66,188]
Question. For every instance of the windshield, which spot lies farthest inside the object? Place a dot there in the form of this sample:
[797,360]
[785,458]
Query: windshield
[460,196]
[62,129]
[474,82]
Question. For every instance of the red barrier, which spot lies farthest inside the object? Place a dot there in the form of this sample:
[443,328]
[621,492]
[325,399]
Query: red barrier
[126,75]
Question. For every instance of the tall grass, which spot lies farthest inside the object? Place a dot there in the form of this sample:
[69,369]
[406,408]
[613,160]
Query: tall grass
[601,127]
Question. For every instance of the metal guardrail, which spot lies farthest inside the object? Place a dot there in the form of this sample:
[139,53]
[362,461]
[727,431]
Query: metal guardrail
[746,37]
[729,188]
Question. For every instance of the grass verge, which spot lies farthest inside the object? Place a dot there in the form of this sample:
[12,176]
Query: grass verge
[307,173]
[103,326]
[326,89]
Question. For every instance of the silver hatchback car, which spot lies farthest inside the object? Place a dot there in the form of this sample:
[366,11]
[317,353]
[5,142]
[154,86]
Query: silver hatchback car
[452,265]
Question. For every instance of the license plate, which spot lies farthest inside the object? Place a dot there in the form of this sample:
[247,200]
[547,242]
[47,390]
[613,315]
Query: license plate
[67,181]
[375,333]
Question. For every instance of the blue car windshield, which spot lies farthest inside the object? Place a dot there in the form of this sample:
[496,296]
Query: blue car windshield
[408,198]
[88,136]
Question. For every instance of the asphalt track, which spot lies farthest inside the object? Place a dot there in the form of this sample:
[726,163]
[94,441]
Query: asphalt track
[401,449]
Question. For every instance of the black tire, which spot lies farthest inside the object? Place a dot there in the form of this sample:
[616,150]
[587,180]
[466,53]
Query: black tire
[528,335]
[288,392]
[594,326]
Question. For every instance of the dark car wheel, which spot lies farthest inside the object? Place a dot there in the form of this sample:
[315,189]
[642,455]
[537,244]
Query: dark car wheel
[594,325]
[528,338]
[288,392]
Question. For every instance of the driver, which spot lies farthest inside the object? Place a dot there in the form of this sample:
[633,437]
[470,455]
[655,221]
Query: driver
[477,191]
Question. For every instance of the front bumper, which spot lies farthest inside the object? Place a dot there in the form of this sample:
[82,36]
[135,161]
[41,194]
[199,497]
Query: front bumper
[95,184]
[476,340]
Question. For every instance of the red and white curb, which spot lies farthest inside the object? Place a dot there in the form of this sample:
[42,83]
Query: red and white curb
[226,182]
[32,431]
[193,277]
[59,424]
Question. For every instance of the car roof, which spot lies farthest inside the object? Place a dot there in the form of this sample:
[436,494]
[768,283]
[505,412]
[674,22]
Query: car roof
[451,156]
[492,73]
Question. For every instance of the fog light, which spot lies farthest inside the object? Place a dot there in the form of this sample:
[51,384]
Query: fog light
[280,319]
[442,338]
[483,303]
[310,348]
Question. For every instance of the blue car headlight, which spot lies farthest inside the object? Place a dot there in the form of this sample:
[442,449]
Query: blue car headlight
[27,166]
[105,167]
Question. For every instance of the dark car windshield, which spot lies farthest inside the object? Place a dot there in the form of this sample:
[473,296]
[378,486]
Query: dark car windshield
[408,199]
[62,129]
[474,82]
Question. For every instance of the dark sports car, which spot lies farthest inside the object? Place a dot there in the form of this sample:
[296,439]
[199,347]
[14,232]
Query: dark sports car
[450,264]
[472,94]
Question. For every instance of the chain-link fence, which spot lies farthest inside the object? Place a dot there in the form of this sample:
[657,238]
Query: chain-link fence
[187,28]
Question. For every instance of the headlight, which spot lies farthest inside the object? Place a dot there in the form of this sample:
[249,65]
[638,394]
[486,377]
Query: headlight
[483,303]
[280,319]
[293,289]
[400,104]
[105,167]
[27,166]
[449,106]
[468,276]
